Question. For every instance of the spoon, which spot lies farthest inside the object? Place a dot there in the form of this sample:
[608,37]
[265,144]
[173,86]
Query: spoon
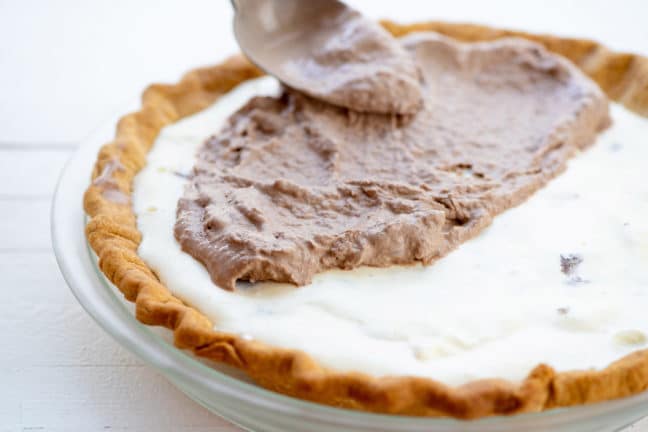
[327,50]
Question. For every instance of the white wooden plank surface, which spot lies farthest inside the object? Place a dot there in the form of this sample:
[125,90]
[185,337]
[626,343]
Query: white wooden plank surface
[24,224]
[73,62]
[64,66]
[30,172]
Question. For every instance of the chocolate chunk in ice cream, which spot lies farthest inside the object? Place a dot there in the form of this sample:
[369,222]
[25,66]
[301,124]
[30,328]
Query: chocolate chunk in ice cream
[569,263]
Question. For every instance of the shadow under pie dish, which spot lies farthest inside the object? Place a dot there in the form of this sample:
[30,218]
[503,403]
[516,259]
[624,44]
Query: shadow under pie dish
[114,235]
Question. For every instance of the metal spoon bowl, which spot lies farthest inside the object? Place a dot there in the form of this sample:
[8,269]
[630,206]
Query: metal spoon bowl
[329,51]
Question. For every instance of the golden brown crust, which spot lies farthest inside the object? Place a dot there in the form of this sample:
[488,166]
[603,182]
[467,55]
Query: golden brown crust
[112,233]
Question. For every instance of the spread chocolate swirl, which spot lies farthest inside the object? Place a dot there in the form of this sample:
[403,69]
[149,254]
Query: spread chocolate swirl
[293,186]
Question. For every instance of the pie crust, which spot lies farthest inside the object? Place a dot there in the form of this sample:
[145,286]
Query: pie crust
[112,233]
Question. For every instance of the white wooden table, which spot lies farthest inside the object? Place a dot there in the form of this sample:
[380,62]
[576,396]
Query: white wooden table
[66,65]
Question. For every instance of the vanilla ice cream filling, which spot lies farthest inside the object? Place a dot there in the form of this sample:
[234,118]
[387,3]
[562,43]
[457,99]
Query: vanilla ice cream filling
[496,307]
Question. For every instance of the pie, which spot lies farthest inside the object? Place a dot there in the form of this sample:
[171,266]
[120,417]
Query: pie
[487,330]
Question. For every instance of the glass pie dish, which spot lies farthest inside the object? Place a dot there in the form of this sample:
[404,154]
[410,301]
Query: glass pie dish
[225,391]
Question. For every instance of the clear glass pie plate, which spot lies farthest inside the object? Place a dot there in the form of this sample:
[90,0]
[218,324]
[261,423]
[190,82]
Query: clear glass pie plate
[226,392]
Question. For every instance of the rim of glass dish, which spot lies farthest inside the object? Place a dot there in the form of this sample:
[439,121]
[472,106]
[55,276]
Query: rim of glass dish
[71,250]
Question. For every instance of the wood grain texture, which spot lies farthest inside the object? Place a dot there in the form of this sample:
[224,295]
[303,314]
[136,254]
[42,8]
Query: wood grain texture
[64,69]
[35,171]
[24,224]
